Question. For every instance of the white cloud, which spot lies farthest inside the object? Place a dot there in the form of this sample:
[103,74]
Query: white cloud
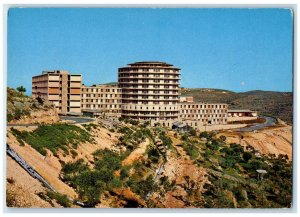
[242,83]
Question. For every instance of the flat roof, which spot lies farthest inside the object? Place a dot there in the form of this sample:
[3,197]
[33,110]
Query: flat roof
[240,110]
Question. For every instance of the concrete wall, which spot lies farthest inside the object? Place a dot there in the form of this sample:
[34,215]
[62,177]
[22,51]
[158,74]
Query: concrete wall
[220,127]
[230,119]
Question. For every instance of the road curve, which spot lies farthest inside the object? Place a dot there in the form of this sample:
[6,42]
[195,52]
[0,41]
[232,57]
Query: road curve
[270,121]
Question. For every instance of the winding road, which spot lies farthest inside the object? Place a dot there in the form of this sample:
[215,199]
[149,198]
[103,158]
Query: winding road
[268,123]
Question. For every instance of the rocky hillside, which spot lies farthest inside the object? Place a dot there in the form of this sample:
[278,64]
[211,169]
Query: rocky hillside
[276,104]
[22,109]
[129,164]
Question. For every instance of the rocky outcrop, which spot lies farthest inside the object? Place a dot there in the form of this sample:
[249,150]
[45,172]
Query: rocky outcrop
[39,117]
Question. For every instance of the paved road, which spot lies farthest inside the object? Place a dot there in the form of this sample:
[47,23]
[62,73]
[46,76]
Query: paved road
[269,122]
[78,120]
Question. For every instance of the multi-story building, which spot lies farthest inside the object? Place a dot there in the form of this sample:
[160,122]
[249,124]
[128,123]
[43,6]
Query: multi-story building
[203,114]
[60,88]
[150,91]
[147,91]
[101,100]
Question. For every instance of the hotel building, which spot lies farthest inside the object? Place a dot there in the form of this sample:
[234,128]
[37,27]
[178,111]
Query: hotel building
[101,100]
[146,91]
[60,88]
[150,91]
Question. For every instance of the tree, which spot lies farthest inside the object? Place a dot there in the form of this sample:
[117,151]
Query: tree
[247,156]
[223,138]
[21,89]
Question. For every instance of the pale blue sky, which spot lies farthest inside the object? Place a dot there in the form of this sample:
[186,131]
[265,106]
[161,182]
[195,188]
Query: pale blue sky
[234,49]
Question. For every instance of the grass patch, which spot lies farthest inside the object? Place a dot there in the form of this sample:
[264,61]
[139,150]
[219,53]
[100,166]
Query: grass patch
[53,137]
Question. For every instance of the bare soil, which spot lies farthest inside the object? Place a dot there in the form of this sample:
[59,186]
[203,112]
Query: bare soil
[275,140]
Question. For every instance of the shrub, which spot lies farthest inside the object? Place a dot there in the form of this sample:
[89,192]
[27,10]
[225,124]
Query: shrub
[60,198]
[193,132]
[124,173]
[247,156]
[223,138]
[153,154]
[143,187]
[205,135]
[91,183]
[167,142]
[74,153]
[191,150]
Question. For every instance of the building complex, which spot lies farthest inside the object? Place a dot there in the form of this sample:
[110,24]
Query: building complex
[147,91]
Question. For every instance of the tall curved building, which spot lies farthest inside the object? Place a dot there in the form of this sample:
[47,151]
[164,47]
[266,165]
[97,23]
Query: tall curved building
[150,91]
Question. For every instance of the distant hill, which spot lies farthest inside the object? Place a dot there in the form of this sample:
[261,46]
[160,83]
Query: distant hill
[277,104]
[111,83]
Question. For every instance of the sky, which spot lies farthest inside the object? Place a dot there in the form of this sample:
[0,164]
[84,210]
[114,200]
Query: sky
[232,49]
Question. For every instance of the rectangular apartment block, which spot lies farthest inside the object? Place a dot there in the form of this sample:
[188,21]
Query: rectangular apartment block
[102,100]
[60,88]
[202,114]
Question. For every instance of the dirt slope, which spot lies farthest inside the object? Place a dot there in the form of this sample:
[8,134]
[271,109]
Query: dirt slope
[49,167]
[137,153]
[21,188]
[276,140]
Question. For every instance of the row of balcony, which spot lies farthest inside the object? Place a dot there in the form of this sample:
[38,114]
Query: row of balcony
[141,72]
[147,76]
[148,83]
[150,88]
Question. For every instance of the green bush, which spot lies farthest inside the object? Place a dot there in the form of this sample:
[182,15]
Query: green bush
[74,153]
[153,154]
[60,198]
[91,183]
[247,156]
[205,135]
[191,150]
[142,187]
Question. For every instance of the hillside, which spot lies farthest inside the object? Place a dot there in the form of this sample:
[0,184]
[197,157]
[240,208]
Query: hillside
[129,164]
[22,109]
[276,104]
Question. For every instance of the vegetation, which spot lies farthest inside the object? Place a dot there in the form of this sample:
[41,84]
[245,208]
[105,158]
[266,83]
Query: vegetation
[91,183]
[21,89]
[60,198]
[53,137]
[19,105]
[91,126]
[132,137]
[238,185]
